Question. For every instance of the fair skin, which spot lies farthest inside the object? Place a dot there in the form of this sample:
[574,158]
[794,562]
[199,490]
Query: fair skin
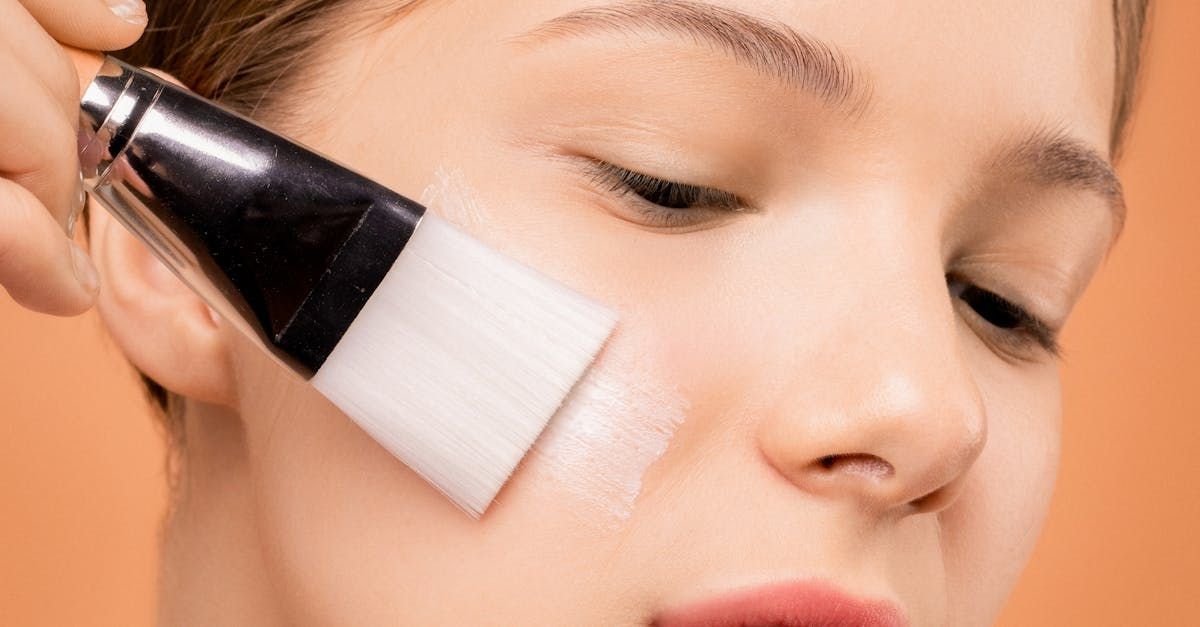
[814,324]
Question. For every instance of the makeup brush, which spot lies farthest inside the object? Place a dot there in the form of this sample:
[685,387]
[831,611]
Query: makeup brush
[450,355]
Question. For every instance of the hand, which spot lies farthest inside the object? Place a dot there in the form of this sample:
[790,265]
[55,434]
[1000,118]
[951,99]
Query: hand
[40,188]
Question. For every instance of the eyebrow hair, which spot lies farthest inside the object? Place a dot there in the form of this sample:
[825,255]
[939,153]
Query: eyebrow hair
[771,48]
[1054,158]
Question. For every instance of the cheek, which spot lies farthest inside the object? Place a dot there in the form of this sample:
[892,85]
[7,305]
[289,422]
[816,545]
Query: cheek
[355,537]
[992,530]
[329,503]
[620,417]
[617,422]
[332,504]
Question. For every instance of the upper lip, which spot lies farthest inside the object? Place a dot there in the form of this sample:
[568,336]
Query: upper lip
[790,604]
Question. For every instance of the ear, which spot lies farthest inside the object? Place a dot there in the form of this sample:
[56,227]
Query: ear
[161,325]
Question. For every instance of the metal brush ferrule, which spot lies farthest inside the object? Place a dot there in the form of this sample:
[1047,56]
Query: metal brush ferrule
[283,242]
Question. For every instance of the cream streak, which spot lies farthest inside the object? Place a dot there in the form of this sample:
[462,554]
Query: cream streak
[451,197]
[617,421]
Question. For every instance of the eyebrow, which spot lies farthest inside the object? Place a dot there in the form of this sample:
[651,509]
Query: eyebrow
[770,48]
[1055,159]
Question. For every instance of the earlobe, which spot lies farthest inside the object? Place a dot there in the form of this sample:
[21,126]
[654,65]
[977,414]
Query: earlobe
[164,328]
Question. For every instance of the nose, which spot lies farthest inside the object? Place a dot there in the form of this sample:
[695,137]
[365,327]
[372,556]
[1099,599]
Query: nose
[885,410]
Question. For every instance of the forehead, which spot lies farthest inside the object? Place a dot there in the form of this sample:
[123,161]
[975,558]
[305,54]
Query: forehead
[1034,63]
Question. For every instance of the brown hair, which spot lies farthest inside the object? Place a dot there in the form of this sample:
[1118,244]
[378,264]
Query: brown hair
[244,54]
[1129,35]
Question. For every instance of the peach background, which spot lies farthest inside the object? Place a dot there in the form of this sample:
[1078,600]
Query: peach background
[82,481]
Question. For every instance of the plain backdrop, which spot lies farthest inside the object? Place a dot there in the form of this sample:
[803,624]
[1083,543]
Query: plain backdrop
[82,483]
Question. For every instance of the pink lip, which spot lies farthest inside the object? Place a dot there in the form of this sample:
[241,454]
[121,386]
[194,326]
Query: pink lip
[796,604]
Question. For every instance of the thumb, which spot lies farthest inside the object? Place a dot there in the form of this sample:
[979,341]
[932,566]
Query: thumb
[90,24]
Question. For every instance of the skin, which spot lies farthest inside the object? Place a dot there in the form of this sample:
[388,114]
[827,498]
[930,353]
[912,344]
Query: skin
[41,268]
[817,324]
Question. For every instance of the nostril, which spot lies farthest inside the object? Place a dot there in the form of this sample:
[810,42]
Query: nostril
[858,464]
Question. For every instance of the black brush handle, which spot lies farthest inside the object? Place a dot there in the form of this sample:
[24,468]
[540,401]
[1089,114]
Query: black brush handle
[291,241]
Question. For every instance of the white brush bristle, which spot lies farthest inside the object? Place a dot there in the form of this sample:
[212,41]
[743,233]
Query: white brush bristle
[459,359]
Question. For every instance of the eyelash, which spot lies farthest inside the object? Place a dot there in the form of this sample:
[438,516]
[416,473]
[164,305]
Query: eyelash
[1019,330]
[665,203]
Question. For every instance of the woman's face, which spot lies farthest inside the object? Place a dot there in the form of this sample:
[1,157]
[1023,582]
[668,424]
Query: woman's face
[811,378]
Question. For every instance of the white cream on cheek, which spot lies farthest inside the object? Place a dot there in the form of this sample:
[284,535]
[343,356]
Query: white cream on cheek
[450,197]
[617,421]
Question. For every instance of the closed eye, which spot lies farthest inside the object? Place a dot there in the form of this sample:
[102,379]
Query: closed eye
[662,203]
[1016,326]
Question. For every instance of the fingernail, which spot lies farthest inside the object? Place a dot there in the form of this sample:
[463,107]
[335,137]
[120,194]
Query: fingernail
[85,272]
[77,207]
[132,11]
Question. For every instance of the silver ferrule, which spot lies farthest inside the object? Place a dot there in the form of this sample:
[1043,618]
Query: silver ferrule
[111,110]
[282,242]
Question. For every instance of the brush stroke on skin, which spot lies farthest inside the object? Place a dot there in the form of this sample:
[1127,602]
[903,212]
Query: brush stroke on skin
[617,421]
[614,425]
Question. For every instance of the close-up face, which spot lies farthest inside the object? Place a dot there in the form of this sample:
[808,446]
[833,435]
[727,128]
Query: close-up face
[842,238]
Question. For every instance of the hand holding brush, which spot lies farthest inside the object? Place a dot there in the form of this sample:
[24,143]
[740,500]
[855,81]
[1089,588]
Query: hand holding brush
[451,356]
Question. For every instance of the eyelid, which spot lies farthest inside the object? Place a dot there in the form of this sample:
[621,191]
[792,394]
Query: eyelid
[1017,341]
[659,203]
[1048,287]
[621,179]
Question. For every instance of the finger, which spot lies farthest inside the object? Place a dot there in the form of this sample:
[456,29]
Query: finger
[39,267]
[25,41]
[91,24]
[40,146]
